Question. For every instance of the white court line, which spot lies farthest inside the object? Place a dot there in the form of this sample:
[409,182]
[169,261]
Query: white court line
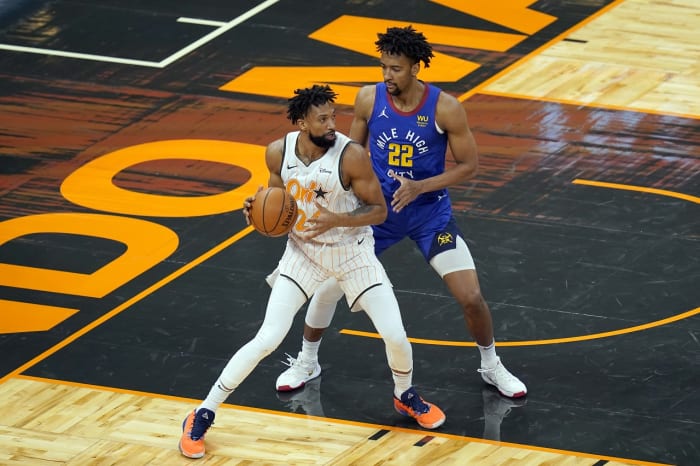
[205,22]
[217,32]
[222,27]
[83,56]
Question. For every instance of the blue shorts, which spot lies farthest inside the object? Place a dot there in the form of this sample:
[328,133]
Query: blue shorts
[429,224]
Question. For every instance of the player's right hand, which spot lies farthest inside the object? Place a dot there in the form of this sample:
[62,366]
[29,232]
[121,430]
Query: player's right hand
[406,193]
[248,202]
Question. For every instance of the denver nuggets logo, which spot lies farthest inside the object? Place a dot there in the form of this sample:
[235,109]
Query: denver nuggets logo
[445,238]
[422,120]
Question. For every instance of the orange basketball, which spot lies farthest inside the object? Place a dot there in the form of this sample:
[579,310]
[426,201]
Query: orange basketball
[273,212]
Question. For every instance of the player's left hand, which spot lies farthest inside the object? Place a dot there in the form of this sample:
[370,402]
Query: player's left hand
[406,193]
[320,223]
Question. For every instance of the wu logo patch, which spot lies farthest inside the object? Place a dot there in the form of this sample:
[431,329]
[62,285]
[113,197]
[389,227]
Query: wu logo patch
[422,120]
[445,238]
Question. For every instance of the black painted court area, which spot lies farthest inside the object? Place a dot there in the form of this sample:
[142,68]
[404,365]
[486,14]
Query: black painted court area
[573,272]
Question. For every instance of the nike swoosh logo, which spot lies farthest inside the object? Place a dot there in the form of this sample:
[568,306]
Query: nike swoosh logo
[289,167]
[360,241]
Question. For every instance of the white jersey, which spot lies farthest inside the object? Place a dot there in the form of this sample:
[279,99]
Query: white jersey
[320,182]
[344,253]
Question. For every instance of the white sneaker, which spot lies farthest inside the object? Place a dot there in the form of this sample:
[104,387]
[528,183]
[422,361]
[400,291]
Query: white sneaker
[298,374]
[506,383]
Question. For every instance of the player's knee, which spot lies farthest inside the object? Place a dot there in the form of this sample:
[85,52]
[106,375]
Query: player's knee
[319,316]
[266,341]
[472,301]
[395,340]
[265,348]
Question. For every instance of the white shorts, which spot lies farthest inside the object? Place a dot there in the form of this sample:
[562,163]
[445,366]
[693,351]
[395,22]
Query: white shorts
[353,264]
[453,260]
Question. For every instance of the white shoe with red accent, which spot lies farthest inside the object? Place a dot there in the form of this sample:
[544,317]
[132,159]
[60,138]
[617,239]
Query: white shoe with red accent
[298,374]
[506,383]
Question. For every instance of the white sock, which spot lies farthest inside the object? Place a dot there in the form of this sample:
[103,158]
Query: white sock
[489,359]
[402,382]
[309,350]
[216,396]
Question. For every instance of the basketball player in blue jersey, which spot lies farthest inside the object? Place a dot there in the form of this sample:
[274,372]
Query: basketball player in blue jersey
[408,125]
[338,197]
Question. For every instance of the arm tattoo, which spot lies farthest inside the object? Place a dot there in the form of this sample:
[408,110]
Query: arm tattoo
[363,209]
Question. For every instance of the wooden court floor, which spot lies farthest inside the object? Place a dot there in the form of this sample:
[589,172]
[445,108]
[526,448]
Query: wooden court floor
[131,131]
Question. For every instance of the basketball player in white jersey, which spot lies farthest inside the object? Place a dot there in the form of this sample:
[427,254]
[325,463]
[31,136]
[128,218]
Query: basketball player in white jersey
[339,197]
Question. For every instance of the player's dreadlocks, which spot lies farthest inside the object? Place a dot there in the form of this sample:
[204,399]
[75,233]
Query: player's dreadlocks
[304,99]
[405,41]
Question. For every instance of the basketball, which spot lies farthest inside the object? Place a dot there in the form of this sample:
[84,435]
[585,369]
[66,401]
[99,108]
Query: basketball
[273,212]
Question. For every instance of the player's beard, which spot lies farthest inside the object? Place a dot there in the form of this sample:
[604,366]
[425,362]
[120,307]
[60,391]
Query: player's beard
[396,92]
[323,141]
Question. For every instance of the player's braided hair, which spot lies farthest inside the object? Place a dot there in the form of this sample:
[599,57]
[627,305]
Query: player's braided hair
[304,99]
[405,41]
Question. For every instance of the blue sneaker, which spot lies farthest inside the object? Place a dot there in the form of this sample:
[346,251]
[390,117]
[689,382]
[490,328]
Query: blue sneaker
[194,427]
[426,414]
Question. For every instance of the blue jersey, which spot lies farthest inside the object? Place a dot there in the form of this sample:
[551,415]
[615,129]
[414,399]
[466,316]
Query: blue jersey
[410,144]
[407,143]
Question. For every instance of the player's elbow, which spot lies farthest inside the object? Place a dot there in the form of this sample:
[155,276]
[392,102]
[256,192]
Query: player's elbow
[468,170]
[380,213]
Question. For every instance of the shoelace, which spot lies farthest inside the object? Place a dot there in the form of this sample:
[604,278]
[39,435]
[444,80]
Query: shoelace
[200,425]
[298,364]
[503,375]
[290,360]
[417,404]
